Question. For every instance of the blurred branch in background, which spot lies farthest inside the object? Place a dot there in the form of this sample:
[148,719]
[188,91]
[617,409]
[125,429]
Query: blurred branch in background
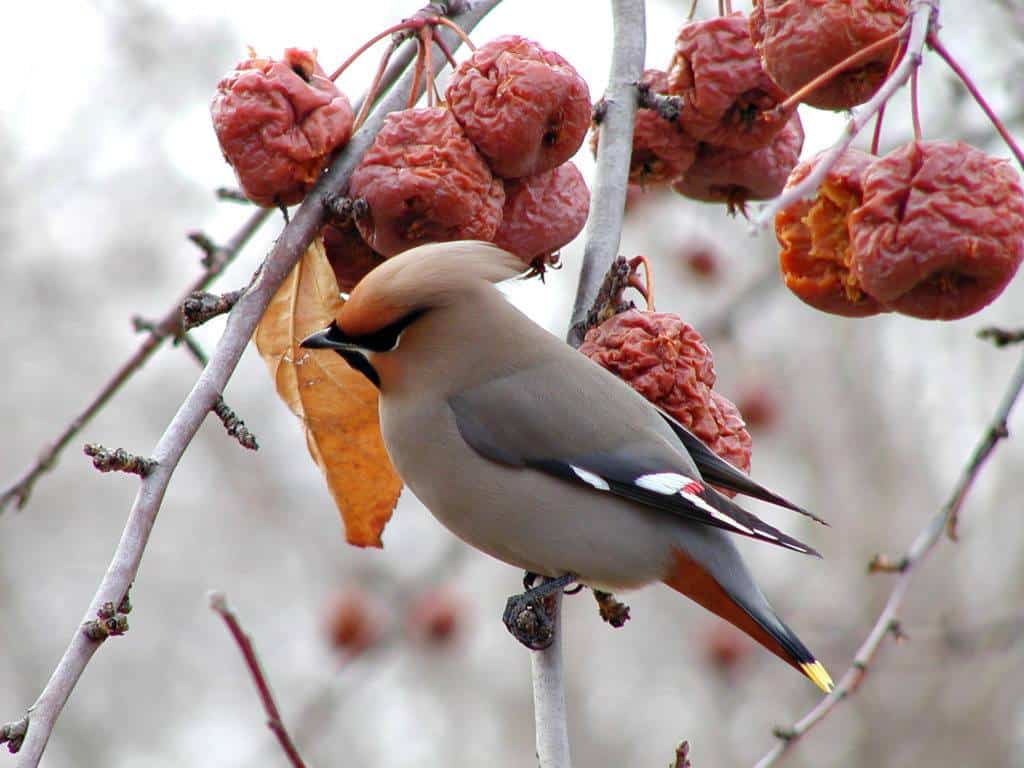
[241,323]
[216,260]
[219,603]
[923,545]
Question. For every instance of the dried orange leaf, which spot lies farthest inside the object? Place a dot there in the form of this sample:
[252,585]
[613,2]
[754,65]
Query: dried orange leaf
[338,405]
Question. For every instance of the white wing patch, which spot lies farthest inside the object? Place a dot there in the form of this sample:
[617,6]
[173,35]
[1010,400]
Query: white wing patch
[596,481]
[665,483]
[698,501]
[796,547]
[672,483]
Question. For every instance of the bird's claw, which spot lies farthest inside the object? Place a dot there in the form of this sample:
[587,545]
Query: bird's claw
[530,617]
[529,621]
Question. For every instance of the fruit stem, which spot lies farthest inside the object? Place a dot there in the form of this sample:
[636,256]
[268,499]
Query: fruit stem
[939,48]
[417,74]
[446,51]
[427,44]
[646,288]
[724,7]
[368,44]
[850,61]
[446,22]
[914,112]
[371,95]
[881,110]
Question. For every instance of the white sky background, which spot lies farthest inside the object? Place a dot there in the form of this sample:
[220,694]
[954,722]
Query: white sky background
[943,385]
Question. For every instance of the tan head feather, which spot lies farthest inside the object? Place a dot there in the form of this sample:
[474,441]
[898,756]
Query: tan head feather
[428,276]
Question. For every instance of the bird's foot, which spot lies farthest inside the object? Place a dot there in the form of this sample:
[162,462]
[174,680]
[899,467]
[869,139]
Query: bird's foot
[529,616]
[611,610]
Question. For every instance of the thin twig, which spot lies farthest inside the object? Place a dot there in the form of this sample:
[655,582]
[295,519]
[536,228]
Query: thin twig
[168,325]
[939,48]
[12,734]
[241,323]
[1000,336]
[219,604]
[215,260]
[234,426]
[201,306]
[922,546]
[667,106]
[608,198]
[682,756]
[924,15]
[232,195]
[118,460]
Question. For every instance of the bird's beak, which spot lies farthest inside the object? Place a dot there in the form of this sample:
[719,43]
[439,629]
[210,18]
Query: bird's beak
[330,337]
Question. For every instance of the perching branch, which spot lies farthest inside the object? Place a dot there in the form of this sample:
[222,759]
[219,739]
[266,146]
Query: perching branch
[921,21]
[604,230]
[215,260]
[608,198]
[241,323]
[923,545]
[219,604]
[549,697]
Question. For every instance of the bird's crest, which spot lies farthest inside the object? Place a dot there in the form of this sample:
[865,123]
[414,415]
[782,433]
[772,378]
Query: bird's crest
[422,278]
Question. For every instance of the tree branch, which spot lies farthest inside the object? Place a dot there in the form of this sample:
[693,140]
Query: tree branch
[923,545]
[924,15]
[219,604]
[549,698]
[607,203]
[216,259]
[604,230]
[241,323]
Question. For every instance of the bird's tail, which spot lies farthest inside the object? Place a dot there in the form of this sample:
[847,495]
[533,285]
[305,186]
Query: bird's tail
[744,607]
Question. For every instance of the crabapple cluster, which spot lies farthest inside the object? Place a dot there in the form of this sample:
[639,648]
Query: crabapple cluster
[934,229]
[666,360]
[492,163]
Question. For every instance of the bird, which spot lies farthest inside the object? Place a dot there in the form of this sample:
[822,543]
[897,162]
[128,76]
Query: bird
[532,453]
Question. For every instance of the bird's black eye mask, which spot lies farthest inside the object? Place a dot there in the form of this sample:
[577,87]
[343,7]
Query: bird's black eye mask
[354,348]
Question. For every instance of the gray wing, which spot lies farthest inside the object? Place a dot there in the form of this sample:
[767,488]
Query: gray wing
[522,420]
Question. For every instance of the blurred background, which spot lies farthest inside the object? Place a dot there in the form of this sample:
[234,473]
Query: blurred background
[398,657]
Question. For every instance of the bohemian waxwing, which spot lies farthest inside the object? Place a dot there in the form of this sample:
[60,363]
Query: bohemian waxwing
[527,450]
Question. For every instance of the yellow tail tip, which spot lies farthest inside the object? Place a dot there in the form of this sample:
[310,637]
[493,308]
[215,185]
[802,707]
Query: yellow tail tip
[818,675]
